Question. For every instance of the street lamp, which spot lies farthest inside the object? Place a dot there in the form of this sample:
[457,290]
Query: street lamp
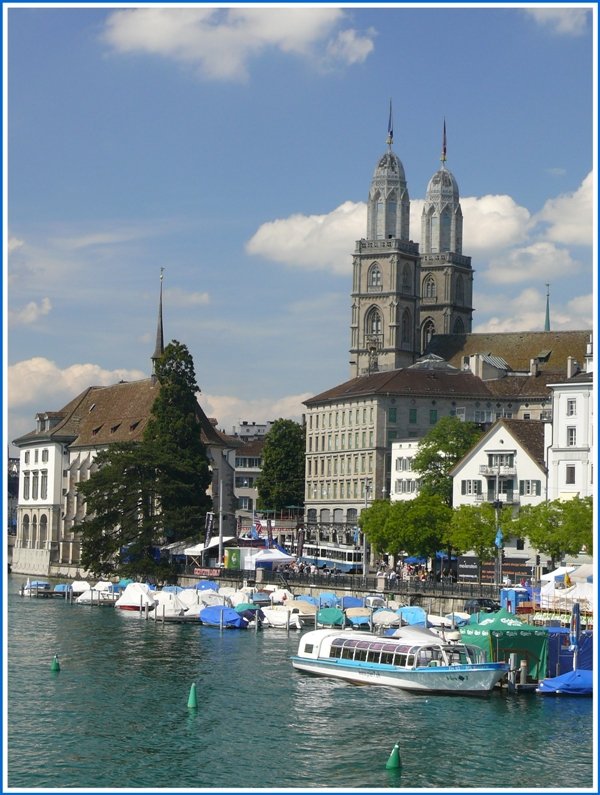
[364,565]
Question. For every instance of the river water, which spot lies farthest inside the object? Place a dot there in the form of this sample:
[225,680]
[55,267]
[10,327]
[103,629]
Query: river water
[116,715]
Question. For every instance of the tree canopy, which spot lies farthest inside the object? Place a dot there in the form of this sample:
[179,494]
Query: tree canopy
[152,492]
[417,526]
[281,480]
[439,451]
[558,528]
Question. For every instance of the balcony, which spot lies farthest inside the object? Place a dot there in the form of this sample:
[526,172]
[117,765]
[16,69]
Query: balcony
[502,471]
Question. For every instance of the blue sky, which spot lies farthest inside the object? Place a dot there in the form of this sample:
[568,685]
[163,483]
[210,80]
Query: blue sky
[234,147]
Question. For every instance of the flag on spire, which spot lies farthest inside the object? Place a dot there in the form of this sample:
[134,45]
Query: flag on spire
[443,157]
[390,138]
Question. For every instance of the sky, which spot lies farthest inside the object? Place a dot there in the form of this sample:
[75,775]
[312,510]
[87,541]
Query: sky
[234,147]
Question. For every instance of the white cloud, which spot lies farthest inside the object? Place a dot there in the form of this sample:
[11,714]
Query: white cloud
[563,21]
[570,216]
[230,411]
[541,261]
[491,223]
[36,378]
[526,311]
[313,242]
[13,244]
[30,313]
[219,43]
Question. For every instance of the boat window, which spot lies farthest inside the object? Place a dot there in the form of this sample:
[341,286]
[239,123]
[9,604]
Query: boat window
[400,659]
[457,656]
[410,660]
[373,656]
[363,644]
[347,654]
[387,657]
[360,655]
[308,648]
[335,651]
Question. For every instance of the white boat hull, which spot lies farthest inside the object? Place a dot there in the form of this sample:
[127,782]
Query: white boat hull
[459,680]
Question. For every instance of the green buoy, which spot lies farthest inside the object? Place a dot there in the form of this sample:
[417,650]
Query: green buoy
[55,665]
[394,761]
[192,699]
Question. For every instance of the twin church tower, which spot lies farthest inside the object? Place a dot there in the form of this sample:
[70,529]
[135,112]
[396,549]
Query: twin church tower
[403,293]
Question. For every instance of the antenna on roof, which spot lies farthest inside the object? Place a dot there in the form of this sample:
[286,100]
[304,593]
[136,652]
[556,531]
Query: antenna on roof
[160,342]
[547,323]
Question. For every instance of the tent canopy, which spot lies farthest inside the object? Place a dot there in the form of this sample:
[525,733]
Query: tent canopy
[502,634]
[199,548]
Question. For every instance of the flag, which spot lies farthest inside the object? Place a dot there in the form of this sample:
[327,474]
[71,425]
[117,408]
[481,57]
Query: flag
[499,538]
[390,126]
[258,527]
[443,158]
[568,582]
[208,528]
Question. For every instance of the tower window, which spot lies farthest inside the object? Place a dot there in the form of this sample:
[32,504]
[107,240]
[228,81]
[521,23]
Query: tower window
[429,290]
[374,278]
[373,322]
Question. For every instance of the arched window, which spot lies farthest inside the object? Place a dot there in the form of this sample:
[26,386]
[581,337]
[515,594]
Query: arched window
[429,290]
[373,322]
[325,516]
[460,290]
[406,279]
[374,277]
[427,333]
[351,515]
[26,530]
[405,334]
[459,326]
[43,530]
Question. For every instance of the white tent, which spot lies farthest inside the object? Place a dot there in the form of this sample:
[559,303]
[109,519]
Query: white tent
[274,556]
[559,572]
[583,573]
[198,549]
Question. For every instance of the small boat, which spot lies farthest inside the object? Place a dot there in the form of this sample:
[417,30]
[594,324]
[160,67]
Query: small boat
[331,617]
[414,660]
[280,617]
[223,617]
[36,588]
[572,683]
[136,596]
[169,607]
[102,593]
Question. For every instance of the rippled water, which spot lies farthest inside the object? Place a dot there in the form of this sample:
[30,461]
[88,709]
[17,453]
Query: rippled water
[116,715]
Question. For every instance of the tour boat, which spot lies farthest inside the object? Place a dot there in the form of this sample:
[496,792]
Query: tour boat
[412,659]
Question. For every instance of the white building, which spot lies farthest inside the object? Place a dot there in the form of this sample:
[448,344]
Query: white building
[570,437]
[404,481]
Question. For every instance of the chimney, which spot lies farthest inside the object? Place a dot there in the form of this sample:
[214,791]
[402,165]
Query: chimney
[571,366]
[533,367]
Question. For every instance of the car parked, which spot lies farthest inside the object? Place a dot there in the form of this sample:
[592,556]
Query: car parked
[482,605]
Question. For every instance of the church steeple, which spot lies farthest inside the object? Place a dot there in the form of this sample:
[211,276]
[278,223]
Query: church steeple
[441,220]
[160,342]
[388,207]
[547,323]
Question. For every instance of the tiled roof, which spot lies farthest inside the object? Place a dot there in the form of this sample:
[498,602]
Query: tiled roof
[253,449]
[103,415]
[408,383]
[530,434]
[516,348]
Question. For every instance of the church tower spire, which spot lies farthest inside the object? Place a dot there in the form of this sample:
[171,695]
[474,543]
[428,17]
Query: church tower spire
[159,348]
[384,324]
[547,323]
[446,275]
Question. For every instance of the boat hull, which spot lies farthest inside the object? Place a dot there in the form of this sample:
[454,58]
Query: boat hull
[476,680]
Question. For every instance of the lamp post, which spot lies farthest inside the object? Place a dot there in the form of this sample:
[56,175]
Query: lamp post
[365,564]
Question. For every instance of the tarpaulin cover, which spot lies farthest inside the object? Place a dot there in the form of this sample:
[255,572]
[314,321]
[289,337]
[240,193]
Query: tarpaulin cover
[573,683]
[502,634]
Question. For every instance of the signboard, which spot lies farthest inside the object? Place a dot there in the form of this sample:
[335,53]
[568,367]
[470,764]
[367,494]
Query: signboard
[515,569]
[233,558]
[207,572]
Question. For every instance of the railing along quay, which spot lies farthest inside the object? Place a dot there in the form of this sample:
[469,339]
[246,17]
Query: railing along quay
[409,589]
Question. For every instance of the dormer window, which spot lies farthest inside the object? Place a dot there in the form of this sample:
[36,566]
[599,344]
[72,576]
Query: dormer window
[96,430]
[115,427]
[133,426]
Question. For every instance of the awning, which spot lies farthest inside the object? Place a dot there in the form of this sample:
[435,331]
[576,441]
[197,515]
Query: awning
[199,548]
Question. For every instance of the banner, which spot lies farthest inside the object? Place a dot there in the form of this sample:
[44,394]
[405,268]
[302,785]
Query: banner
[300,549]
[209,528]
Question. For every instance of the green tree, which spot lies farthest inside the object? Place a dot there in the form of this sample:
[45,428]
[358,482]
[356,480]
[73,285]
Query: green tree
[473,527]
[281,480]
[147,493]
[558,528]
[439,451]
[417,526]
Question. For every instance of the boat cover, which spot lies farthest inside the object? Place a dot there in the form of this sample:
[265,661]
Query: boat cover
[351,601]
[331,617]
[212,616]
[573,683]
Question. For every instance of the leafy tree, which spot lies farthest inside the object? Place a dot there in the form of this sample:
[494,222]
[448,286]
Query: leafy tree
[150,492]
[415,526]
[173,438]
[558,528]
[439,451]
[474,527]
[281,480]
